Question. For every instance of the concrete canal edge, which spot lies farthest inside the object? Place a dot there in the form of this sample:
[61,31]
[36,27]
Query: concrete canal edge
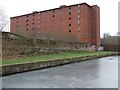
[24,67]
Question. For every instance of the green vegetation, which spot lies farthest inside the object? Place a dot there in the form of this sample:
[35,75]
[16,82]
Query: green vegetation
[49,57]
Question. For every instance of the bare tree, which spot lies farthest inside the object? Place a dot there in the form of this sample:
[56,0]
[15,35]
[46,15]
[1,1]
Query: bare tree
[3,20]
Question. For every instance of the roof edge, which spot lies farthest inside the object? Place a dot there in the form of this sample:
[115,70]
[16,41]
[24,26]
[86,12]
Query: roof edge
[52,9]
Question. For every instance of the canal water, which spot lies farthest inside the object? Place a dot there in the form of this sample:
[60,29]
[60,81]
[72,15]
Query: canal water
[96,73]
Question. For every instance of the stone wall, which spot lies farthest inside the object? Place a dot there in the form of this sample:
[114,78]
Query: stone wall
[18,68]
[15,46]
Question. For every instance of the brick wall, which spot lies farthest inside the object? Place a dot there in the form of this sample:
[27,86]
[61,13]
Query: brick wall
[76,23]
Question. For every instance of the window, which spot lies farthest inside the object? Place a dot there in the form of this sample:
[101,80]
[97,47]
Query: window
[26,24]
[53,15]
[69,7]
[69,18]
[69,24]
[78,16]
[27,20]
[38,18]
[27,29]
[33,23]
[27,16]
[32,28]
[33,19]
[53,11]
[69,13]
[78,28]
[69,30]
[78,22]
[78,11]
[78,5]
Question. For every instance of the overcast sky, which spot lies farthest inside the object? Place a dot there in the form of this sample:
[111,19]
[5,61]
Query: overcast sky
[108,10]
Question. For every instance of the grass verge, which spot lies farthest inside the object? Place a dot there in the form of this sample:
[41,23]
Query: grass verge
[49,57]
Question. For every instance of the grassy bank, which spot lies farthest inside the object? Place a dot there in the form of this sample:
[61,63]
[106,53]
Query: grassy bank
[52,57]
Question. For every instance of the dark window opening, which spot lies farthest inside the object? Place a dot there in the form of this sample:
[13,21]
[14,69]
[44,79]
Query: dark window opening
[53,15]
[33,19]
[27,29]
[69,13]
[69,18]
[33,23]
[69,7]
[69,24]
[53,11]
[27,25]
[27,20]
[27,16]
[32,28]
[69,30]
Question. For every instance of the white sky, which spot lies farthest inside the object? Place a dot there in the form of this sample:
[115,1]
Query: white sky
[108,10]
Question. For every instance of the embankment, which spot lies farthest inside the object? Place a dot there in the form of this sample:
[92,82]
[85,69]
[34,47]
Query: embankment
[24,67]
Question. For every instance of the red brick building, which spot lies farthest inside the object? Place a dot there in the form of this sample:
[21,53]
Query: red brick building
[77,23]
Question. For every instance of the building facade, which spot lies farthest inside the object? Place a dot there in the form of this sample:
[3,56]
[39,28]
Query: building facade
[76,23]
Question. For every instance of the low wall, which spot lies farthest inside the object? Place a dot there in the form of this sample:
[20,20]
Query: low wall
[18,68]
[15,46]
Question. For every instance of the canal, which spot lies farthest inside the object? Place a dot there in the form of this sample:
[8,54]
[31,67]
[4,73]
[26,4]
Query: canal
[97,73]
